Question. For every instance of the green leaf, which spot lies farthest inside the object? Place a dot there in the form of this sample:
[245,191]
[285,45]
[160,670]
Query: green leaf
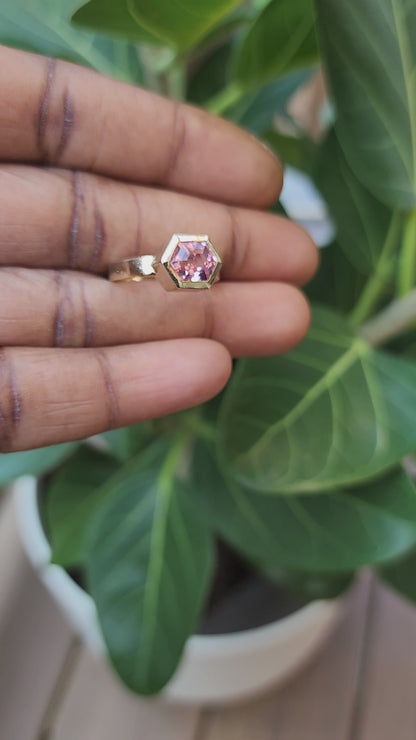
[73,500]
[178,22]
[371,60]
[256,110]
[330,413]
[226,28]
[33,462]
[337,283]
[363,221]
[282,39]
[210,75]
[299,152]
[114,19]
[401,575]
[43,26]
[126,442]
[149,568]
[329,533]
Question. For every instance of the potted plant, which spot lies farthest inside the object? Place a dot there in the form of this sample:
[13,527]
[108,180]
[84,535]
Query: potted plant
[301,466]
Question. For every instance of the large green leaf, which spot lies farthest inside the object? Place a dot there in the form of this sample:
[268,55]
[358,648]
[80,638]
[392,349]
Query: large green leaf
[178,22]
[43,26]
[210,75]
[72,501]
[33,462]
[323,533]
[149,569]
[297,151]
[115,19]
[257,110]
[281,40]
[337,283]
[330,413]
[227,28]
[363,222]
[401,575]
[371,59]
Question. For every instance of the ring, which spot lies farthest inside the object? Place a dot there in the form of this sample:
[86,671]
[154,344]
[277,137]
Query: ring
[189,261]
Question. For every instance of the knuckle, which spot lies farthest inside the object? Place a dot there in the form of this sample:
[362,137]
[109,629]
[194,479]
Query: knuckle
[73,320]
[86,230]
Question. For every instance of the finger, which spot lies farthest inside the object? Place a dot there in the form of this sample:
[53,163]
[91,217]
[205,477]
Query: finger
[49,219]
[41,402]
[69,309]
[56,112]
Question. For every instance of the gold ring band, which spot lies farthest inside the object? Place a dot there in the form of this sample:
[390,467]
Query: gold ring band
[189,261]
[134,269]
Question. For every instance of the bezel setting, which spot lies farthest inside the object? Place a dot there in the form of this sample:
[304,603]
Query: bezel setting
[167,275]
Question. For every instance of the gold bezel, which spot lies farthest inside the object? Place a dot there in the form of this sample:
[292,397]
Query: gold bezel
[166,275]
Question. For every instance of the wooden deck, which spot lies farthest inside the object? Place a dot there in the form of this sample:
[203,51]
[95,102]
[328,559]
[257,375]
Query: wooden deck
[362,686]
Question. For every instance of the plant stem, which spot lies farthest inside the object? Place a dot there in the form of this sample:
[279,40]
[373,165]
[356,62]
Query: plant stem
[392,321]
[407,262]
[155,63]
[171,463]
[175,78]
[378,282]
[195,423]
[225,99]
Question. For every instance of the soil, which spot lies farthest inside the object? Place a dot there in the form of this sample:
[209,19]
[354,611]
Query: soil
[242,599]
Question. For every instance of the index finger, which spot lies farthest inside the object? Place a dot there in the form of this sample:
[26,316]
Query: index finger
[58,113]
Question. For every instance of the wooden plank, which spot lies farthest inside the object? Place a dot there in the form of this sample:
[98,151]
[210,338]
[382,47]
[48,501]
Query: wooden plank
[95,705]
[317,704]
[387,706]
[34,639]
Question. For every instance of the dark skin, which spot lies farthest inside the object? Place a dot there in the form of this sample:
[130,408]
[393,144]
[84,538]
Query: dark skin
[94,171]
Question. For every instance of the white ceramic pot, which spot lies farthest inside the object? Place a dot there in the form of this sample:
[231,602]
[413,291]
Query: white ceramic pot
[215,668]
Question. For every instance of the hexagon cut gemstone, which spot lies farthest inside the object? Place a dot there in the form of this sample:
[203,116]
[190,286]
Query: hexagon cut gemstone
[193,261]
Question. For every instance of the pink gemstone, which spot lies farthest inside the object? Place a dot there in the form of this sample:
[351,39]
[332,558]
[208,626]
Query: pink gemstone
[193,261]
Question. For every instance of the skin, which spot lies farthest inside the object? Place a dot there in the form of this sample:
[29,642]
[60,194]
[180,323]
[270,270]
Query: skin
[94,171]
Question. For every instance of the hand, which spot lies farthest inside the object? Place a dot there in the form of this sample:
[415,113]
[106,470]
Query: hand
[95,171]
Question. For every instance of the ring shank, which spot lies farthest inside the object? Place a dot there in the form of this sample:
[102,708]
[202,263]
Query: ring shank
[134,269]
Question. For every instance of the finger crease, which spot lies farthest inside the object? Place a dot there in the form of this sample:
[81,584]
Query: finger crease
[99,237]
[59,315]
[64,301]
[73,233]
[88,319]
[9,420]
[112,401]
[43,109]
[67,124]
[138,241]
